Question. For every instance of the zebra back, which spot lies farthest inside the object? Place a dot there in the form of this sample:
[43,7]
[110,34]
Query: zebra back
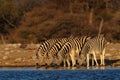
[45,46]
[96,44]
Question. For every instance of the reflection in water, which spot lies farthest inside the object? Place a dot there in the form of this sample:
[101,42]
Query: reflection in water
[102,67]
[72,68]
[55,68]
[95,67]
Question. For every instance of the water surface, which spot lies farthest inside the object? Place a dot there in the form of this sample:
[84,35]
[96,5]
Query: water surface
[60,74]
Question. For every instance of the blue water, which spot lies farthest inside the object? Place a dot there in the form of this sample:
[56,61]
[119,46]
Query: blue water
[32,74]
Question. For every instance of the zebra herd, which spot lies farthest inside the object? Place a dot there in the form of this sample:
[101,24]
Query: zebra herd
[71,51]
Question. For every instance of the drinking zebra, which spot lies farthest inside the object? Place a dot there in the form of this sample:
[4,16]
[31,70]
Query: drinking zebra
[43,49]
[70,51]
[56,51]
[93,47]
[51,56]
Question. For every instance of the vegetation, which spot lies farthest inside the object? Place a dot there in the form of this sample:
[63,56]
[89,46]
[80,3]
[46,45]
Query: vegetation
[27,21]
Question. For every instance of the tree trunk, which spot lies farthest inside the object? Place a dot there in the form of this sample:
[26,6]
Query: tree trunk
[2,39]
[91,16]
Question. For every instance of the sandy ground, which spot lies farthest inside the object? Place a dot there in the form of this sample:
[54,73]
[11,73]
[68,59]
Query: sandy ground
[17,56]
[112,56]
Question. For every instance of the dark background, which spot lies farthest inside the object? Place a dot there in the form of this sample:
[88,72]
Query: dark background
[26,21]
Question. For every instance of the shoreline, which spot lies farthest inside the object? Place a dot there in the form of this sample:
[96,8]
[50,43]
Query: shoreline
[115,65]
[60,68]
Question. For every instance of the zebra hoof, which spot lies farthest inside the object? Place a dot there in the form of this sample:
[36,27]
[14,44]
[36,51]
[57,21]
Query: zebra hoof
[88,67]
[97,65]
[102,65]
[46,65]
[74,65]
[57,66]
[37,65]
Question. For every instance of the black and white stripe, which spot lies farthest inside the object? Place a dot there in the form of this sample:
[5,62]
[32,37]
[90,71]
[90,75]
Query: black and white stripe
[71,50]
[95,46]
[52,53]
[43,49]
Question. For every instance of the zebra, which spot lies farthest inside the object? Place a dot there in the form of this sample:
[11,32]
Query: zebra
[43,49]
[64,53]
[71,49]
[93,47]
[79,43]
[51,55]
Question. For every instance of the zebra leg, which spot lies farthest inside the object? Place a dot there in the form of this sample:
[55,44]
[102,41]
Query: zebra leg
[73,58]
[103,60]
[87,60]
[92,60]
[95,59]
[68,62]
[103,57]
[73,61]
[64,63]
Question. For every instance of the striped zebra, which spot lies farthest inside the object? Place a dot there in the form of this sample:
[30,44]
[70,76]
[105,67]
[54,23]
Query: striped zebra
[71,50]
[51,55]
[93,47]
[43,49]
[64,55]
